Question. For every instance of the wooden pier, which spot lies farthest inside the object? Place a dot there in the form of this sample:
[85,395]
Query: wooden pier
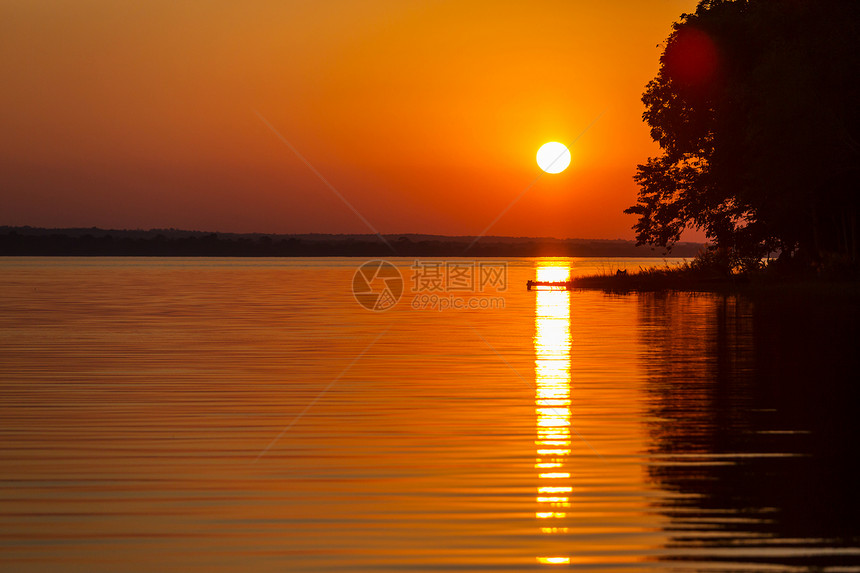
[552,285]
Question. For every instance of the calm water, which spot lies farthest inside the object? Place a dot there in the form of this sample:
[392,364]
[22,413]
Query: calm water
[238,415]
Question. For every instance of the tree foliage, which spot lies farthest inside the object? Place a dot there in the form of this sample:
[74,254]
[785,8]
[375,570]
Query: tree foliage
[755,109]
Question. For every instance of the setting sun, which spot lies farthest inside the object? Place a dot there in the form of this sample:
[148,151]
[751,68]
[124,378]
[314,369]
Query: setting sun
[553,157]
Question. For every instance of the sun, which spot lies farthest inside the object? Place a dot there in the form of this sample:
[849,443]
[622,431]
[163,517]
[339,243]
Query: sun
[553,157]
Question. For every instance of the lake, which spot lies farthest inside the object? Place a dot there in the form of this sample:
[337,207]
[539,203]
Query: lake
[252,415]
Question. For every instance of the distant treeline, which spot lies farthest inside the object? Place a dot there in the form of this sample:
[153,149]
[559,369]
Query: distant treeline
[30,241]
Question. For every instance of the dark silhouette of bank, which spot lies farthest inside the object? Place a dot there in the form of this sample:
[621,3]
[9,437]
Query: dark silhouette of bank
[755,111]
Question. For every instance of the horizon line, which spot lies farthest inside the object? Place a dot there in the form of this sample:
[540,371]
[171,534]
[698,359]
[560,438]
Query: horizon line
[320,233]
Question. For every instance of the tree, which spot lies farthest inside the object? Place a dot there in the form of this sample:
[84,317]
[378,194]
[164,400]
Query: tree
[755,111]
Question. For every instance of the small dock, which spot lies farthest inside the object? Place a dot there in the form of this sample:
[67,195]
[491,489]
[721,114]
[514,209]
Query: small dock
[551,285]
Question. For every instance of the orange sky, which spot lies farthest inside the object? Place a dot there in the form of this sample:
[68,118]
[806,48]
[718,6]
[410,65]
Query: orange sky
[426,116]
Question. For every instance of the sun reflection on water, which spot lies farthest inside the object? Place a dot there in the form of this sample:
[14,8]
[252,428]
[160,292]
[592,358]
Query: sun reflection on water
[552,402]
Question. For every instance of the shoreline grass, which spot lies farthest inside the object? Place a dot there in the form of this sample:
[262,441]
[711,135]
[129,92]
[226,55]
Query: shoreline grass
[690,278]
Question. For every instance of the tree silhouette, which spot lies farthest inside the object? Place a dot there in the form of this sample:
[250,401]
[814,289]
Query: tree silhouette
[755,110]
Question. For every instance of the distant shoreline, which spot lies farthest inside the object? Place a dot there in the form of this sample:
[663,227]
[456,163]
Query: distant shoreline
[33,241]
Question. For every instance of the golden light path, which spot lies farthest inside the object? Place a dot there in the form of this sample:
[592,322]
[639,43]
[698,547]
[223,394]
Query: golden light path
[552,401]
